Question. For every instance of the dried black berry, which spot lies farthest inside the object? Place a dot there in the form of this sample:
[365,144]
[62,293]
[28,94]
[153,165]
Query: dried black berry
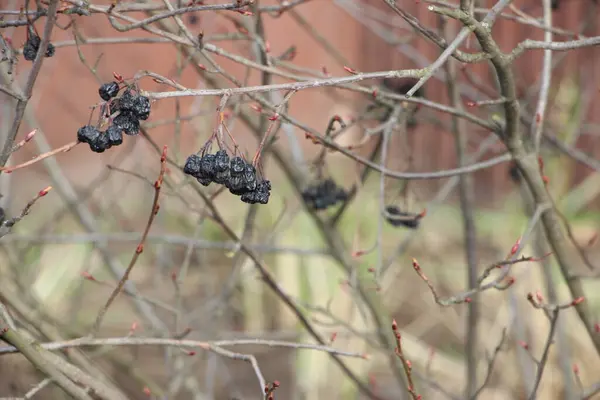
[221,161]
[204,181]
[32,46]
[128,123]
[141,107]
[29,52]
[34,40]
[222,177]
[250,177]
[410,220]
[192,165]
[100,144]
[207,166]
[87,134]
[237,166]
[323,194]
[115,135]
[260,195]
[237,185]
[108,90]
[50,50]
[127,101]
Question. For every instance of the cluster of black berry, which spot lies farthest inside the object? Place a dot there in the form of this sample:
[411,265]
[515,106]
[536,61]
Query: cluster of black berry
[131,108]
[32,45]
[100,141]
[323,194]
[405,219]
[235,173]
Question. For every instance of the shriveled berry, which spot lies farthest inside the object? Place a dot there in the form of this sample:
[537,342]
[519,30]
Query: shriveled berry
[141,107]
[50,50]
[87,134]
[192,165]
[32,46]
[207,166]
[221,161]
[29,52]
[115,135]
[323,194]
[249,197]
[204,181]
[250,177]
[100,144]
[410,220]
[260,195]
[221,177]
[34,40]
[237,166]
[128,123]
[237,185]
[132,128]
[127,101]
[108,90]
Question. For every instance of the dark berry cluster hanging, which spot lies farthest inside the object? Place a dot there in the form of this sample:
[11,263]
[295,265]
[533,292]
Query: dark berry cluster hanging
[397,217]
[32,45]
[323,194]
[235,173]
[100,141]
[124,112]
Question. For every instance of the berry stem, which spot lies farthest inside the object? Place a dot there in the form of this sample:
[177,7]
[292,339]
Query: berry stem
[221,124]
[273,120]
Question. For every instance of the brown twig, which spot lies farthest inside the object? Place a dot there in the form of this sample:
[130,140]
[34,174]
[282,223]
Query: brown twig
[405,363]
[62,149]
[28,90]
[273,120]
[140,248]
[466,297]
[9,223]
[544,360]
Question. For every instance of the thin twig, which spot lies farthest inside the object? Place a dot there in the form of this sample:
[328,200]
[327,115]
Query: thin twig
[28,90]
[544,359]
[140,248]
[405,363]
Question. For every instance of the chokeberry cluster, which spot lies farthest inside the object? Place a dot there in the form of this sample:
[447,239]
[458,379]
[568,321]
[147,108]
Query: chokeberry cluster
[100,141]
[132,108]
[408,220]
[128,109]
[233,172]
[32,45]
[323,194]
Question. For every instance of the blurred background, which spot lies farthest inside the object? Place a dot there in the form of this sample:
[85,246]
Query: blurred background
[91,223]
